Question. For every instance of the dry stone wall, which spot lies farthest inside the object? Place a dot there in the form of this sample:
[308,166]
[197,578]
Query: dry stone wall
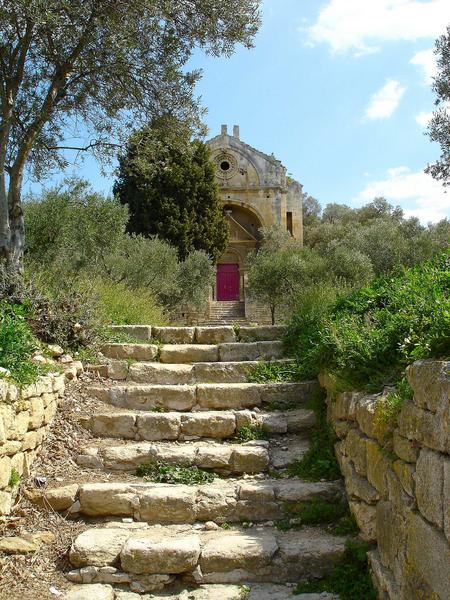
[398,481]
[25,417]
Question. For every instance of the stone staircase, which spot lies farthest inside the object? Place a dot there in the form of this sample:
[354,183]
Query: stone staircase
[182,396]
[228,312]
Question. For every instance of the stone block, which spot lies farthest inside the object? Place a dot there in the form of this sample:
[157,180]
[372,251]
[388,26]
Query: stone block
[143,352]
[147,397]
[239,352]
[2,431]
[162,374]
[17,462]
[117,369]
[250,459]
[59,498]
[356,485]
[20,425]
[270,350]
[5,471]
[187,353]
[365,516]
[112,499]
[216,501]
[227,396]
[215,335]
[300,419]
[429,554]
[425,427]
[158,426]
[36,413]
[446,498]
[174,335]
[404,448]
[114,425]
[5,503]
[377,466]
[382,577]
[237,551]
[391,537]
[98,547]
[30,440]
[366,417]
[153,554]
[168,504]
[90,591]
[212,424]
[50,412]
[405,473]
[217,456]
[430,380]
[355,447]
[287,393]
[429,486]
[223,372]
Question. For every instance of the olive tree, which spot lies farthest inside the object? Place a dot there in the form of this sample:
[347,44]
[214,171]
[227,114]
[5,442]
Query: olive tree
[91,70]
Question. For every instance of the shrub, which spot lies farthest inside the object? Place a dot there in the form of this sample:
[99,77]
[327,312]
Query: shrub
[120,305]
[367,338]
[17,343]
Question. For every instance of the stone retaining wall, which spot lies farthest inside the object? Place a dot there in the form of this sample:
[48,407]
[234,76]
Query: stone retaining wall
[25,417]
[398,482]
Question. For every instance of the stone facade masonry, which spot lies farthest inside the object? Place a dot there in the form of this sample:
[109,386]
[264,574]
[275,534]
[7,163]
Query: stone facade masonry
[25,417]
[398,482]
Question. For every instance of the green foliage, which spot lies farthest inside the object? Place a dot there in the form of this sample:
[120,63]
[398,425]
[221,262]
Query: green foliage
[247,433]
[17,344]
[121,305]
[319,462]
[389,406]
[350,579]
[14,478]
[162,472]
[367,338]
[272,372]
[317,511]
[168,183]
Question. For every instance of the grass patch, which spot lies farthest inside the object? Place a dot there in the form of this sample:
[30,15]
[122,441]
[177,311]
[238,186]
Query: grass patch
[389,406]
[162,472]
[273,372]
[319,462]
[247,433]
[317,511]
[350,578]
[14,478]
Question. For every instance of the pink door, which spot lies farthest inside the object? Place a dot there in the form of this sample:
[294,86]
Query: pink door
[227,282]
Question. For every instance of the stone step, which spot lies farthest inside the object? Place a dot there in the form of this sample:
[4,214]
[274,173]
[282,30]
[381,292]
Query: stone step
[214,334]
[150,557]
[204,396]
[201,372]
[223,501]
[258,591]
[223,424]
[225,459]
[193,353]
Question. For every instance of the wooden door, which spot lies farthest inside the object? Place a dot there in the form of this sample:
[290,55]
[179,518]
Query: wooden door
[228,282]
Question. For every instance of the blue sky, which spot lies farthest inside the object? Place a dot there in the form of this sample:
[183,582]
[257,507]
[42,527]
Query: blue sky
[340,92]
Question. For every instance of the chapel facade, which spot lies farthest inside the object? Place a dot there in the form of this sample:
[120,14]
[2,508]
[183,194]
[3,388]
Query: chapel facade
[255,192]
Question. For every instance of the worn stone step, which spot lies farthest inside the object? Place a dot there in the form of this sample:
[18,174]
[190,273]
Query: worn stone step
[223,424]
[148,557]
[212,334]
[225,459]
[173,374]
[263,591]
[223,501]
[205,396]
[192,353]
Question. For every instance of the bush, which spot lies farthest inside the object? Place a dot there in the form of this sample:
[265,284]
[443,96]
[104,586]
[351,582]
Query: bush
[17,344]
[120,305]
[367,338]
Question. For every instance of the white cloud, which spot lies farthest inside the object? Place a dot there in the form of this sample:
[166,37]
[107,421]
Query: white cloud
[417,193]
[384,102]
[362,25]
[423,118]
[426,60]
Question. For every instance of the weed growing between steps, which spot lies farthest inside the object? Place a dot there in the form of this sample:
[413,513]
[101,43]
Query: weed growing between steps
[319,462]
[161,472]
[334,515]
[247,433]
[273,372]
[14,478]
[350,578]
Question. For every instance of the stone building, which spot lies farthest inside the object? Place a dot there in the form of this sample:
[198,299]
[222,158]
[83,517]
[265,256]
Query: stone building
[256,192]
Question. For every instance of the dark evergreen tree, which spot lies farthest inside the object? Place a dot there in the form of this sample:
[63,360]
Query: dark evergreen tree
[169,185]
